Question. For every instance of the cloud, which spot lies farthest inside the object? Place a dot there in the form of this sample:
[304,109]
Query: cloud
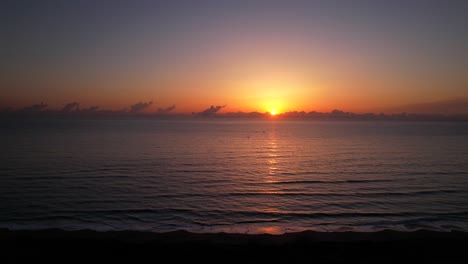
[90,109]
[71,107]
[35,107]
[447,107]
[138,107]
[212,110]
[166,110]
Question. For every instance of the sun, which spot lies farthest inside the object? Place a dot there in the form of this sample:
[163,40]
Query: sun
[273,112]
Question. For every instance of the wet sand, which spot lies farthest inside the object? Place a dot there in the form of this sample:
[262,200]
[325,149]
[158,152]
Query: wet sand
[86,246]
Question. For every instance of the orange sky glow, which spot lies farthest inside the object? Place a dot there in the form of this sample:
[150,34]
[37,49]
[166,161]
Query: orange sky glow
[257,57]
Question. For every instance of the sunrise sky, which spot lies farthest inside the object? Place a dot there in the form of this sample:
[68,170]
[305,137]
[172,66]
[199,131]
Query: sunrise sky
[248,55]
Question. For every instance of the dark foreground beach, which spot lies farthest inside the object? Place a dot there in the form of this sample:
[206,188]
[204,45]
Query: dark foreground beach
[57,246]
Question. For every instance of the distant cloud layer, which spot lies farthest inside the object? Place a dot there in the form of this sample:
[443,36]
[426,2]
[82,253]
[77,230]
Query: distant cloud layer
[138,107]
[166,110]
[71,107]
[35,107]
[212,110]
[448,107]
[90,109]
[454,110]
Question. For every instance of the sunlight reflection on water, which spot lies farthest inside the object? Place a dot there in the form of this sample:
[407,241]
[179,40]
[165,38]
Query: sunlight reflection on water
[250,176]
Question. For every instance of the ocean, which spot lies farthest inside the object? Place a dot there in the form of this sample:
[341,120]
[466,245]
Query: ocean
[229,175]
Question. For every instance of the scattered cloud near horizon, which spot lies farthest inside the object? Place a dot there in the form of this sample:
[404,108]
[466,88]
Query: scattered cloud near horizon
[71,107]
[458,106]
[166,110]
[211,110]
[140,106]
[446,107]
[74,107]
[90,109]
[35,107]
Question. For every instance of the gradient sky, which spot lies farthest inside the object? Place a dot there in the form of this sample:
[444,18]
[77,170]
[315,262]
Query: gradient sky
[249,55]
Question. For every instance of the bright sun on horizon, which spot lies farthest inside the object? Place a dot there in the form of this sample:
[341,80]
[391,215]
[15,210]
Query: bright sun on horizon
[273,112]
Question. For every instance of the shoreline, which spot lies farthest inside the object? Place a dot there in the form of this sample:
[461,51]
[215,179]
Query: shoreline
[387,246]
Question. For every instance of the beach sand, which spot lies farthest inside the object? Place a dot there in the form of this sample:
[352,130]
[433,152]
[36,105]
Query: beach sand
[86,246]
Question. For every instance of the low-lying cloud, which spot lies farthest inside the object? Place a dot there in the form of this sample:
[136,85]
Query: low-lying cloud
[71,107]
[166,110]
[454,110]
[138,107]
[90,109]
[447,107]
[35,107]
[212,110]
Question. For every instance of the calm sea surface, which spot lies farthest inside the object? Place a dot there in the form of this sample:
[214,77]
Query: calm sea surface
[233,176]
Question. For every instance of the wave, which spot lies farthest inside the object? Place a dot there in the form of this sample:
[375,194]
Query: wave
[239,216]
[307,194]
[329,182]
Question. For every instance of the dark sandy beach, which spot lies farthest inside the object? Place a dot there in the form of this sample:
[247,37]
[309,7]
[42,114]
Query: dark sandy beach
[57,246]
